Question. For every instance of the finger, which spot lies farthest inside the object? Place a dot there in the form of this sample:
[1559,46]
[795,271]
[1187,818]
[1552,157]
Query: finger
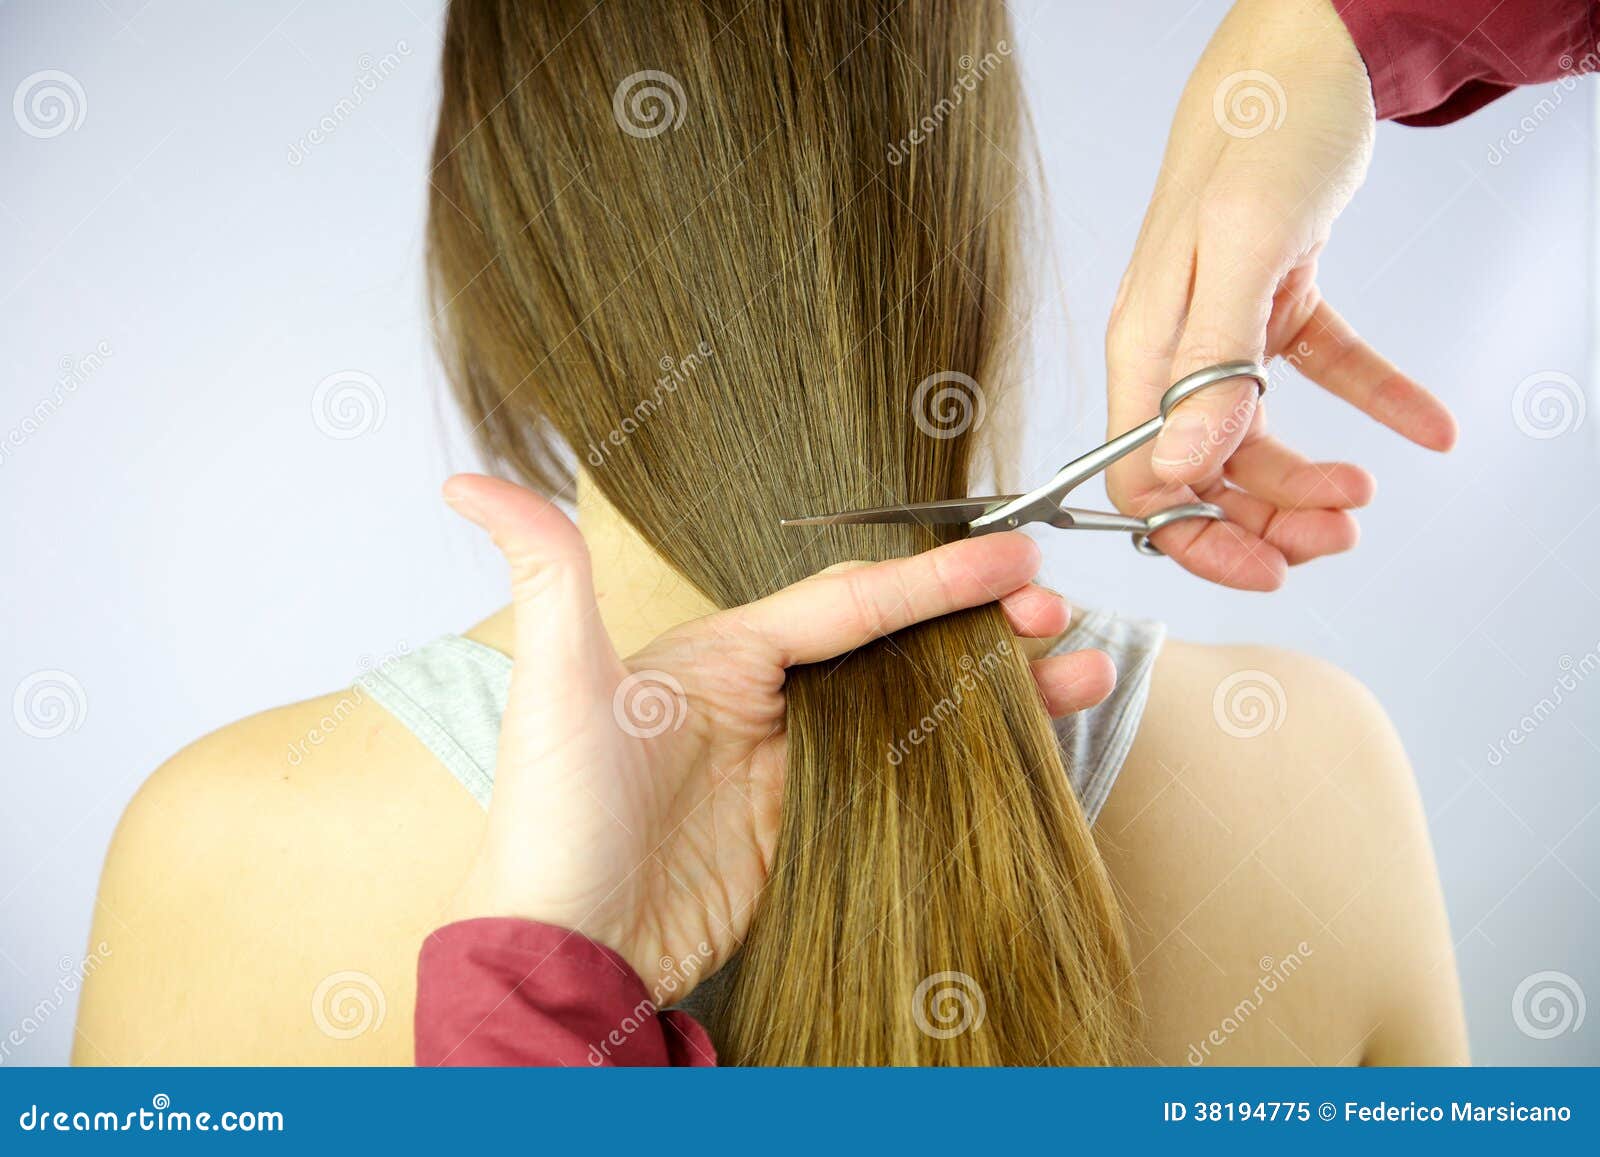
[1223,552]
[557,619]
[1035,612]
[1229,309]
[1268,469]
[1074,681]
[1298,535]
[1329,352]
[838,610]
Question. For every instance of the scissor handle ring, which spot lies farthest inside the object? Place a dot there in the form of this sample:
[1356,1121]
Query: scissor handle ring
[1141,540]
[1184,387]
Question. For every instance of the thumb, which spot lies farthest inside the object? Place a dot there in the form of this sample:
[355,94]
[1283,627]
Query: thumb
[561,643]
[1228,314]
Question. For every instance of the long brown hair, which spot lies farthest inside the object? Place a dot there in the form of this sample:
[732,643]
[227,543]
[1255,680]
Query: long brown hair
[744,260]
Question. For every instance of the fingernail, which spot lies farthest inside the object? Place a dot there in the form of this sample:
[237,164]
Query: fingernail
[462,505]
[1182,442]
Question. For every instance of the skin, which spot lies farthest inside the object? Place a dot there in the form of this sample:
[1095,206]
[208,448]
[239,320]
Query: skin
[1225,267]
[237,884]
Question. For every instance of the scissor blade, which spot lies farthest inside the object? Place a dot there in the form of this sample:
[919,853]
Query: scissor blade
[944,512]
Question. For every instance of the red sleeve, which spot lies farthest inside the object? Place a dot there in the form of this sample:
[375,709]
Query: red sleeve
[502,991]
[1435,61]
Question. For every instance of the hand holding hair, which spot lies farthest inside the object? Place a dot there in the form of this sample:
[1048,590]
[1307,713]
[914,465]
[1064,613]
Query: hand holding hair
[636,800]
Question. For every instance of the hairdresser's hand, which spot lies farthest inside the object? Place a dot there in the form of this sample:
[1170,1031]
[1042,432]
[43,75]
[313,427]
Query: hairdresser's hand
[637,800]
[1270,141]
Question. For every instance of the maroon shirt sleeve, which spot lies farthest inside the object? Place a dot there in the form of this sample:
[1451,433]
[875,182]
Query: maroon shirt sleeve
[1435,61]
[503,991]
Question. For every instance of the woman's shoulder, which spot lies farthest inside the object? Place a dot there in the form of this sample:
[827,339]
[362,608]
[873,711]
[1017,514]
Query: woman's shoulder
[292,858]
[1267,824]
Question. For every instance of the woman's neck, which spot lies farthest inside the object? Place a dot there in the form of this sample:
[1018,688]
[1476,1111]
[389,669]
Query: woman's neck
[640,595]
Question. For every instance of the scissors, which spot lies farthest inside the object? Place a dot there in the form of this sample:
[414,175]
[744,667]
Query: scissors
[996,512]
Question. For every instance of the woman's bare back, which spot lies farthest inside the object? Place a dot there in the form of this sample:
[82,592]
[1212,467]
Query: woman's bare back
[264,907]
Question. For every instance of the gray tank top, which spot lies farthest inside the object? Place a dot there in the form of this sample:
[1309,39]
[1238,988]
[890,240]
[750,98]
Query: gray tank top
[452,693]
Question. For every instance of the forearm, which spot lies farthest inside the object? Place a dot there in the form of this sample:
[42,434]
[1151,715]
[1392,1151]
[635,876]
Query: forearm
[1435,61]
[504,991]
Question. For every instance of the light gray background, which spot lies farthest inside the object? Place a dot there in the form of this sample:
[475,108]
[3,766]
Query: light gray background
[187,544]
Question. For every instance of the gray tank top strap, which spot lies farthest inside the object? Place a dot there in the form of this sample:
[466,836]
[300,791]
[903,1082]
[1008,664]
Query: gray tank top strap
[452,693]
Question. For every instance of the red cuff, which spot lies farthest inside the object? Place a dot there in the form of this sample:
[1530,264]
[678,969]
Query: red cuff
[1435,61]
[503,991]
